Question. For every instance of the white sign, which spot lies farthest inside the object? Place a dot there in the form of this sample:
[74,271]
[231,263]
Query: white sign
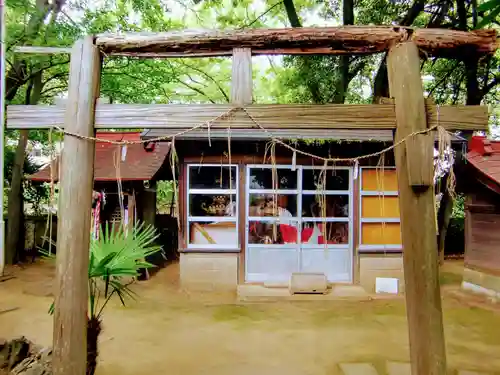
[386,285]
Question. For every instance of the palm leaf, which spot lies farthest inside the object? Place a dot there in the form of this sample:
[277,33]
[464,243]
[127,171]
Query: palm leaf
[114,255]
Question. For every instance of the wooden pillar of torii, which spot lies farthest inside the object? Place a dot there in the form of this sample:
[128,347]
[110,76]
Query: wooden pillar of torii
[408,115]
[75,198]
[414,166]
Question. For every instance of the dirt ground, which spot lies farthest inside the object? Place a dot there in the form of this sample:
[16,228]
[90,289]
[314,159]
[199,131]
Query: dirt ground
[186,334]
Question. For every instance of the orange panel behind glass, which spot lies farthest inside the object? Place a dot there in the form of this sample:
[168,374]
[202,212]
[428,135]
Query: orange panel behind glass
[379,180]
[380,234]
[379,206]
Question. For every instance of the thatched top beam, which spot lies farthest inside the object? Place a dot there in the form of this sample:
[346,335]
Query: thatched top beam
[355,40]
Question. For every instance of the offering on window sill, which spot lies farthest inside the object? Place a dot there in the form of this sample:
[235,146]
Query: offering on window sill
[221,233]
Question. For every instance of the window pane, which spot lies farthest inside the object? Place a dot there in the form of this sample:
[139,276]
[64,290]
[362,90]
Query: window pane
[216,233]
[212,205]
[379,206]
[379,179]
[260,232]
[262,178]
[336,205]
[316,233]
[202,177]
[278,205]
[335,179]
[380,234]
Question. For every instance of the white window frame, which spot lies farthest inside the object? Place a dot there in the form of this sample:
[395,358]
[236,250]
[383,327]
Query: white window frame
[299,219]
[385,193]
[227,219]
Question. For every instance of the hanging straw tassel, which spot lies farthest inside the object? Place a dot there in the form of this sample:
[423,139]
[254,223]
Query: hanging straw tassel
[356,170]
[445,155]
[274,175]
[173,160]
[48,226]
[380,178]
[117,164]
[320,191]
[230,167]
[208,134]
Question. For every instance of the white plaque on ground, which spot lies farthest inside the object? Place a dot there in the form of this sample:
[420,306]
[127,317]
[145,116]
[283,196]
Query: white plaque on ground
[386,285]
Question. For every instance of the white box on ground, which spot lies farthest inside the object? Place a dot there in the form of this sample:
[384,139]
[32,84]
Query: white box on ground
[386,285]
[315,283]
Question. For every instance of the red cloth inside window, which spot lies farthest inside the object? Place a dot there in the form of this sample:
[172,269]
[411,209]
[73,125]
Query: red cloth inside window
[288,233]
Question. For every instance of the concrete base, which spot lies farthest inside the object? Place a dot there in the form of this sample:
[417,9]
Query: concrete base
[218,272]
[250,292]
[481,283]
[209,272]
[380,265]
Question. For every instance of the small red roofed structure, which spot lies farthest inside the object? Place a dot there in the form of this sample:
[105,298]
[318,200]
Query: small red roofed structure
[136,165]
[131,162]
[482,218]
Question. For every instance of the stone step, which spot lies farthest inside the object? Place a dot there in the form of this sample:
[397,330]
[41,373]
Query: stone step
[358,369]
[398,368]
[253,292]
[392,368]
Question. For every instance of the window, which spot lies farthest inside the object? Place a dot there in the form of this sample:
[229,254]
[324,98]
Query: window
[273,206]
[325,206]
[379,210]
[298,204]
[212,206]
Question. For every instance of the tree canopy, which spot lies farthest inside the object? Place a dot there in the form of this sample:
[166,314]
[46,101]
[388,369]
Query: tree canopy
[35,79]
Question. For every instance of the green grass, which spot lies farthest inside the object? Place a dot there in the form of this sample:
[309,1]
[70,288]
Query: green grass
[226,313]
[449,278]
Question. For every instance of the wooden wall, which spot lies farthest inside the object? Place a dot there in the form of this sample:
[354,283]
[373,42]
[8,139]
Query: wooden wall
[482,232]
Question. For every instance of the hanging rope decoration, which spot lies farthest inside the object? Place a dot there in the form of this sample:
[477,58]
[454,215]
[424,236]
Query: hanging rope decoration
[380,181]
[444,143]
[230,170]
[226,115]
[49,224]
[173,165]
[271,149]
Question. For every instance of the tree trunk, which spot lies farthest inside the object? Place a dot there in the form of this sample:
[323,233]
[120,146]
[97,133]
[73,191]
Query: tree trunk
[474,94]
[15,210]
[93,330]
[15,78]
[381,83]
[291,12]
[344,79]
[444,217]
[15,202]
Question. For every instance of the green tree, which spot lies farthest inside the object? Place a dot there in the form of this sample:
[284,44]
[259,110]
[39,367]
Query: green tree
[34,79]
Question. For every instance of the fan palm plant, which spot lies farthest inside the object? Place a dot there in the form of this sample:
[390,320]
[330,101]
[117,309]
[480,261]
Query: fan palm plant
[116,259]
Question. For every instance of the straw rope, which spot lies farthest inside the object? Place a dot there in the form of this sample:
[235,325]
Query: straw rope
[270,135]
[444,141]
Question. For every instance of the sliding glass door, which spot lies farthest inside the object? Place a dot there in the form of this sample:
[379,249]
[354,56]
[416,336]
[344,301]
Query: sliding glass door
[298,219]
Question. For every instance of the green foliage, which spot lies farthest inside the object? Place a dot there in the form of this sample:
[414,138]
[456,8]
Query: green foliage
[117,255]
[458,207]
[35,194]
[164,195]
[491,8]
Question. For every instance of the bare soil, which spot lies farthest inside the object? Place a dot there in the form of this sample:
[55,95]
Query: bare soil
[178,333]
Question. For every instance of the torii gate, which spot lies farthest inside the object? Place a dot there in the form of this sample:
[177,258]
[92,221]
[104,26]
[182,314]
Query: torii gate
[408,113]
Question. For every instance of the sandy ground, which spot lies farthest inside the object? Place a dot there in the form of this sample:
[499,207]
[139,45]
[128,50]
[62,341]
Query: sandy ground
[181,334]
